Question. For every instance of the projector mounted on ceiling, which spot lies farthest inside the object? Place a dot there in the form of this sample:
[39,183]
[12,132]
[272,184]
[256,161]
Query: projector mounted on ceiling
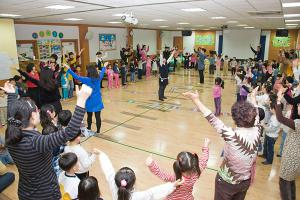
[129,19]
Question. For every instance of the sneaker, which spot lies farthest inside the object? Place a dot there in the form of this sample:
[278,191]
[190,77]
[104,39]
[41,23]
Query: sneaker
[278,155]
[161,99]
[164,97]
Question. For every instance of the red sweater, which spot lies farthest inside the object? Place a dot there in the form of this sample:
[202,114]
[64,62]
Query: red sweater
[29,83]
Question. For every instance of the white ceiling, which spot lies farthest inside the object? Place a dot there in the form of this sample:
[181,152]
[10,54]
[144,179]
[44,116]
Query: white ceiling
[98,12]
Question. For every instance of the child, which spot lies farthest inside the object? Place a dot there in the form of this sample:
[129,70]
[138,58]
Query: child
[88,189]
[3,108]
[193,60]
[187,167]
[272,129]
[123,73]
[64,118]
[225,66]
[21,87]
[140,69]
[238,82]
[110,76]
[218,65]
[244,90]
[132,70]
[85,160]
[122,183]
[116,75]
[148,67]
[68,162]
[64,85]
[186,60]
[212,63]
[206,64]
[233,65]
[217,94]
[154,66]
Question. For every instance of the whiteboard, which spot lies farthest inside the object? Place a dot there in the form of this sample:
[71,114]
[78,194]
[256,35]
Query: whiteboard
[236,42]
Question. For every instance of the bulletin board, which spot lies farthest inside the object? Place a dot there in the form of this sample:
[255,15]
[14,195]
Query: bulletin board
[207,39]
[46,47]
[107,42]
[281,41]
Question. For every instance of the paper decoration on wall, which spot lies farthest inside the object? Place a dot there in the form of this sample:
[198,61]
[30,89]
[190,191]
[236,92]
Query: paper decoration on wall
[41,33]
[47,47]
[25,51]
[60,35]
[35,35]
[107,42]
[208,39]
[54,34]
[48,33]
[281,41]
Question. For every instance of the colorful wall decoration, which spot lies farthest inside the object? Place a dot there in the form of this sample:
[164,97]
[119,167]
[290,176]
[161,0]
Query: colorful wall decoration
[208,39]
[281,41]
[107,42]
[47,33]
[47,47]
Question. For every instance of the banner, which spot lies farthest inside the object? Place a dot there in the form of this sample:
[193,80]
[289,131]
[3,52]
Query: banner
[208,40]
[281,41]
[107,42]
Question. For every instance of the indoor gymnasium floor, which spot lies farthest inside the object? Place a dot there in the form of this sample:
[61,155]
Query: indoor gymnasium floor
[135,124]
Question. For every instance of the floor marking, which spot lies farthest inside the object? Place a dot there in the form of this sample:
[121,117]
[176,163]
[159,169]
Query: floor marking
[141,116]
[124,125]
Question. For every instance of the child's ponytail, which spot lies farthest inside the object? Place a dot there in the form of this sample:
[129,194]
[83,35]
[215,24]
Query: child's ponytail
[13,133]
[177,169]
[125,180]
[196,164]
[123,193]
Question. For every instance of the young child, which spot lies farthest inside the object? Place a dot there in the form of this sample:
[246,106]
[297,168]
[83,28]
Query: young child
[88,189]
[140,69]
[193,61]
[154,66]
[225,66]
[68,162]
[187,167]
[3,108]
[244,89]
[123,73]
[148,67]
[186,61]
[132,70]
[217,94]
[110,76]
[64,85]
[116,75]
[233,65]
[206,64]
[122,183]
[212,63]
[64,118]
[85,160]
[218,66]
[271,129]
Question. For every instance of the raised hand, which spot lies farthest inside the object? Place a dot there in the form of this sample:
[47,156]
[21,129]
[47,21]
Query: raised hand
[149,160]
[105,64]
[191,95]
[97,151]
[206,142]
[8,88]
[83,94]
[66,66]
[179,182]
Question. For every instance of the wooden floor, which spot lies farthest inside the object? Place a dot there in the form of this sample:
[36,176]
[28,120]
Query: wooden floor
[135,124]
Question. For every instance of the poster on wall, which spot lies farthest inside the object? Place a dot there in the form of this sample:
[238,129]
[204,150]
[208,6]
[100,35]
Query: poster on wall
[47,47]
[281,41]
[25,51]
[107,42]
[208,39]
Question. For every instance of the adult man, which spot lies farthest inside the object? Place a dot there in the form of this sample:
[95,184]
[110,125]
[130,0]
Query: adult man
[201,66]
[257,54]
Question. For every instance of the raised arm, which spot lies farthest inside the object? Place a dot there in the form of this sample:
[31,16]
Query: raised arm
[205,155]
[147,49]
[171,56]
[155,193]
[160,173]
[33,80]
[84,80]
[103,70]
[286,121]
[253,50]
[11,96]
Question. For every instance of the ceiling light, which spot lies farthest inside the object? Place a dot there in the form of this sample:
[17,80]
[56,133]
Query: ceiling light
[242,25]
[199,25]
[9,15]
[248,27]
[218,17]
[182,23]
[119,15]
[159,20]
[180,28]
[292,20]
[163,26]
[288,5]
[73,19]
[193,10]
[280,28]
[206,29]
[144,24]
[59,7]
[213,27]
[232,22]
[291,27]
[114,22]
[291,24]
[291,15]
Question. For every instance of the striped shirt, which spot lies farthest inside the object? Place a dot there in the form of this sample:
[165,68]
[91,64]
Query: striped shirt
[33,158]
[183,192]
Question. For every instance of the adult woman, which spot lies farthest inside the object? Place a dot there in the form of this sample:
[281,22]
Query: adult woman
[94,104]
[32,151]
[290,161]
[33,90]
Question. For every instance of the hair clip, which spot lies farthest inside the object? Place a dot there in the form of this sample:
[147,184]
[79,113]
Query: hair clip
[29,104]
[14,122]
[123,183]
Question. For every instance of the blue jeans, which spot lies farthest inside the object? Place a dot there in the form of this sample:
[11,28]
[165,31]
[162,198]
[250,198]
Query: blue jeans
[5,180]
[269,148]
[283,136]
[6,159]
[132,74]
[71,88]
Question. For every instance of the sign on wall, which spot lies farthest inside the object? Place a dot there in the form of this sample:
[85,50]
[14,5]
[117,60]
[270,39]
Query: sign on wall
[107,42]
[208,39]
[281,41]
[47,47]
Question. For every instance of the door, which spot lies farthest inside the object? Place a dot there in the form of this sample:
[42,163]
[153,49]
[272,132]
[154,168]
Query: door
[263,45]
[178,42]
[220,48]
[69,46]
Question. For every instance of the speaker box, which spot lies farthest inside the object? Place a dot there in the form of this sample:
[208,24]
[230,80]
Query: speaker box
[282,33]
[186,33]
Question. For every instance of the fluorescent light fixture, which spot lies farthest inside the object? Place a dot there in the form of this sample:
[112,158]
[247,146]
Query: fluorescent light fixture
[206,29]
[291,24]
[182,23]
[114,22]
[144,24]
[180,28]
[73,19]
[199,25]
[119,15]
[193,10]
[59,7]
[289,5]
[289,27]
[218,17]
[212,27]
[159,20]
[163,26]
[232,22]
[242,25]
[280,28]
[291,15]
[292,20]
[249,27]
[9,15]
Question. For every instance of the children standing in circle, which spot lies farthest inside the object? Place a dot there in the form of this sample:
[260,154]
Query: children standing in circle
[217,94]
[187,167]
